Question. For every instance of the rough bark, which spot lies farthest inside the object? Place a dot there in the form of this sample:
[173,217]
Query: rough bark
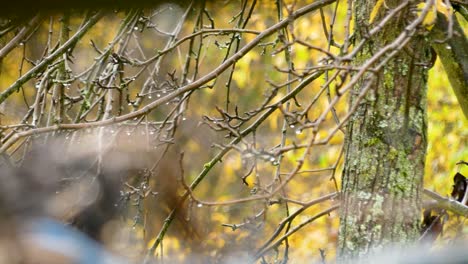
[385,144]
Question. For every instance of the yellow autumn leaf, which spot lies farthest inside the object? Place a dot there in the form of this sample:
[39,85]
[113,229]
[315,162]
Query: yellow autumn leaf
[441,7]
[375,11]
[250,180]
[431,16]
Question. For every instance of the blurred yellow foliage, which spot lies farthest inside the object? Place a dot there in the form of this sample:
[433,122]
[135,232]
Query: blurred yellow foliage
[447,132]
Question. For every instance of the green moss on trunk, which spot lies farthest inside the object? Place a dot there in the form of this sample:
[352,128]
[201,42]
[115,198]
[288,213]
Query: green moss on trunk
[385,145]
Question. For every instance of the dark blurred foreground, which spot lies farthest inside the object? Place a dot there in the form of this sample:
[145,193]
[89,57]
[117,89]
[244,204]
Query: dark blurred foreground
[56,202]
[67,201]
[456,253]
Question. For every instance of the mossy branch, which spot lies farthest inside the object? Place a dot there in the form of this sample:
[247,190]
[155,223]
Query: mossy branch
[453,53]
[461,7]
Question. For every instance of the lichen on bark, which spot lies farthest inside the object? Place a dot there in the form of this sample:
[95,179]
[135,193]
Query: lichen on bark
[385,144]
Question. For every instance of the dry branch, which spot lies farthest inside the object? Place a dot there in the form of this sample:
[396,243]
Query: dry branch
[448,204]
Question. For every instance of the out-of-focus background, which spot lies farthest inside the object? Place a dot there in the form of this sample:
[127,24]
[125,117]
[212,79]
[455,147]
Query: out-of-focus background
[118,183]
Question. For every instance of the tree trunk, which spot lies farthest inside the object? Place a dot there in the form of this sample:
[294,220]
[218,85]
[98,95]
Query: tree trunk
[385,142]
